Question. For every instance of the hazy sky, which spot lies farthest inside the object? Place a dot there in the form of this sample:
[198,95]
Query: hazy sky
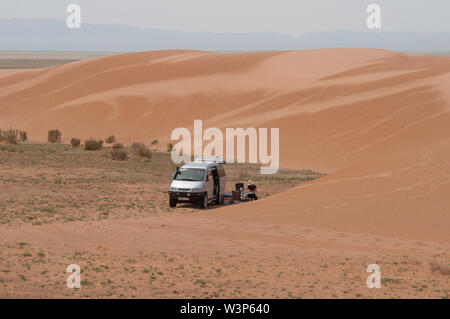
[293,17]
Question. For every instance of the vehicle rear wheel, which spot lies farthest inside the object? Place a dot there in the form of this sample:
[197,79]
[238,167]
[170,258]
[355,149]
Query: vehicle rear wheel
[173,201]
[204,201]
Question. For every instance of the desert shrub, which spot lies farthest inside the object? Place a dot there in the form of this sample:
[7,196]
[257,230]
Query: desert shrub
[93,145]
[75,142]
[10,136]
[54,136]
[117,146]
[442,268]
[119,154]
[154,142]
[141,150]
[169,147]
[23,136]
[110,139]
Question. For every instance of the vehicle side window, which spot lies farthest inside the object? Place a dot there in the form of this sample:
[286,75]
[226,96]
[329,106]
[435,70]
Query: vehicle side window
[209,175]
[221,170]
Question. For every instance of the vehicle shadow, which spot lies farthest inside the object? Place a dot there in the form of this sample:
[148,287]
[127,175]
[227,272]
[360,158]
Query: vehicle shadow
[196,207]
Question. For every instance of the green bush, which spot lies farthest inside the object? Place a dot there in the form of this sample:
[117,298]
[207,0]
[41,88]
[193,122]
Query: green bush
[154,142]
[93,145]
[169,147]
[54,136]
[141,150]
[117,146]
[75,142]
[119,154]
[110,139]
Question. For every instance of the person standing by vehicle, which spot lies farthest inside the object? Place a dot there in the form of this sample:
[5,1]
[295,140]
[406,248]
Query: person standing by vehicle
[252,189]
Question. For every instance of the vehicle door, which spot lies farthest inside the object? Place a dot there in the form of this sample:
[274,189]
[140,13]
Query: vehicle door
[223,178]
[209,184]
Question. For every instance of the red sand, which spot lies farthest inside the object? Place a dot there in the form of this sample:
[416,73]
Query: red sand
[376,121]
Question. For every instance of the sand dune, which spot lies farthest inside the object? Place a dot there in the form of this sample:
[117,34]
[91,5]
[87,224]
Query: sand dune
[376,121]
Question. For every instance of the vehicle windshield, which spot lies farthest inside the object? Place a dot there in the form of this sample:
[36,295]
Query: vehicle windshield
[190,174]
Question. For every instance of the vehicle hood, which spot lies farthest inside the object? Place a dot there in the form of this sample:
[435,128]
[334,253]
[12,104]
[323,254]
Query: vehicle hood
[186,184]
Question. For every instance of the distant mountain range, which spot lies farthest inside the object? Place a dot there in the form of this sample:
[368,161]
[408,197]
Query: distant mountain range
[42,34]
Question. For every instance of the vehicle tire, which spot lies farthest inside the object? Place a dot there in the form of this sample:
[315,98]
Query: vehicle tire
[204,201]
[173,201]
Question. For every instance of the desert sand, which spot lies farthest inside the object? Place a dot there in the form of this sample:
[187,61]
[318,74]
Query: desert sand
[376,122]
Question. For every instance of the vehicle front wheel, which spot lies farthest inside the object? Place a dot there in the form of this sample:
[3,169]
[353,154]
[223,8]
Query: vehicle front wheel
[173,201]
[204,201]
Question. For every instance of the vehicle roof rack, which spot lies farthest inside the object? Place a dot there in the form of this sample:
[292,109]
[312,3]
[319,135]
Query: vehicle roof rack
[215,159]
